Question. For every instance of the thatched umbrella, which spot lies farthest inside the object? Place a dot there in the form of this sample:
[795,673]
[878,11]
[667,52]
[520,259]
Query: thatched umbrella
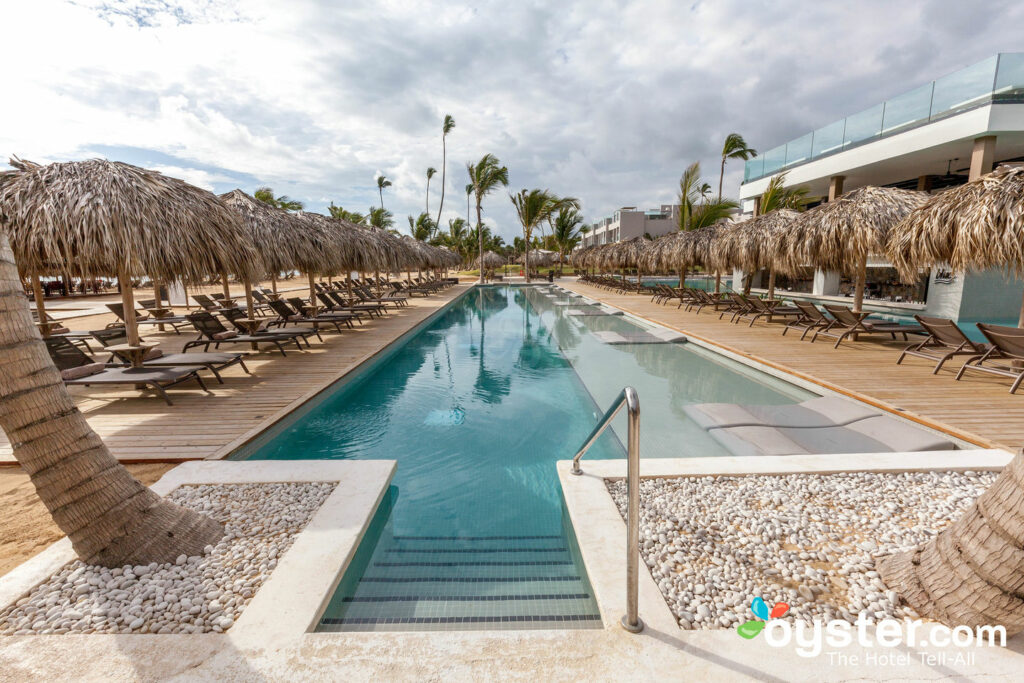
[752,244]
[975,226]
[490,260]
[663,254]
[538,257]
[841,234]
[114,219]
[329,247]
[275,232]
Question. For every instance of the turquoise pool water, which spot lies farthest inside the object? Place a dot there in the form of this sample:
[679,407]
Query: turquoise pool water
[476,407]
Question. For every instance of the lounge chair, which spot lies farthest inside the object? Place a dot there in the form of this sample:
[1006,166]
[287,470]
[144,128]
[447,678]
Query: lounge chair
[738,305]
[847,323]
[58,330]
[233,315]
[1005,357]
[759,308]
[945,340]
[77,368]
[214,362]
[810,319]
[175,321]
[286,314]
[334,302]
[211,331]
[367,296]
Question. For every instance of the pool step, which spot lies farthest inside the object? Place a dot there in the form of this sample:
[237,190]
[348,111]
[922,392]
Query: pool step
[467,582]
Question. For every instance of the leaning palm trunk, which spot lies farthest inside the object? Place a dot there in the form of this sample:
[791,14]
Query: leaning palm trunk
[973,572]
[109,516]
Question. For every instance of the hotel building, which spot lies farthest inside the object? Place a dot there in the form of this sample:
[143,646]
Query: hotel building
[629,222]
[933,137]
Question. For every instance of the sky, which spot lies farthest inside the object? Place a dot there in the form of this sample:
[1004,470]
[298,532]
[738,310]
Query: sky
[604,101]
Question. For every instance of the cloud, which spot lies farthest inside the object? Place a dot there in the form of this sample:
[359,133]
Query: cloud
[606,101]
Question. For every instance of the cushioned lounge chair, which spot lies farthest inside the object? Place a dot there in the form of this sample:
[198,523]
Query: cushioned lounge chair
[77,368]
[759,308]
[175,321]
[212,332]
[272,326]
[367,296]
[846,322]
[1005,357]
[286,314]
[335,302]
[156,358]
[945,340]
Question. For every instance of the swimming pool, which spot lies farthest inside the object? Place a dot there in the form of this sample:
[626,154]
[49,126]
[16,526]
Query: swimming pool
[476,407]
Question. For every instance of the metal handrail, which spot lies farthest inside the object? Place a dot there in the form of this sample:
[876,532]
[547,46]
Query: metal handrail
[627,397]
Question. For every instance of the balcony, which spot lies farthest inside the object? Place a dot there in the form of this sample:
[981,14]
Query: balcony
[997,79]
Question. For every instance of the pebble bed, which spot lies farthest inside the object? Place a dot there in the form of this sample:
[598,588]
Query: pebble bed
[199,594]
[715,543]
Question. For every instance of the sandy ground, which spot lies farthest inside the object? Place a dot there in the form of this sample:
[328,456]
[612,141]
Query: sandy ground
[26,527]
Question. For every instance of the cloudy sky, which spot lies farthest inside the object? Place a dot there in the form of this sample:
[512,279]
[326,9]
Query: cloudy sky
[606,101]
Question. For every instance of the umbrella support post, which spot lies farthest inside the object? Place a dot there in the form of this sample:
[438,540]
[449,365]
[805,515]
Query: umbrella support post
[273,282]
[131,327]
[159,303]
[224,285]
[249,306]
[862,276]
[37,292]
[771,283]
[718,282]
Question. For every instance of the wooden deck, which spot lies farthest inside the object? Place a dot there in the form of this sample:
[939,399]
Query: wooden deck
[140,428]
[978,408]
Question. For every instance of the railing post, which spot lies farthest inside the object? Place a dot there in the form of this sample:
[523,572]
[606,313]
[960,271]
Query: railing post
[631,621]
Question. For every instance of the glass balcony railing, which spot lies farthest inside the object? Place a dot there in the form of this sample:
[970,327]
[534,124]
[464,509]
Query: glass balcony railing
[997,79]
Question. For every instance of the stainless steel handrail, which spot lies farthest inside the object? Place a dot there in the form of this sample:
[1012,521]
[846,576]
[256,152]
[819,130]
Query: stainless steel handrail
[628,397]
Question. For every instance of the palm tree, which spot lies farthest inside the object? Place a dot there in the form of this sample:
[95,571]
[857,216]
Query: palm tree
[446,127]
[484,177]
[456,237]
[380,218]
[421,227]
[735,147]
[534,207]
[778,196]
[566,232]
[344,214]
[430,174]
[266,195]
[382,182]
[697,209]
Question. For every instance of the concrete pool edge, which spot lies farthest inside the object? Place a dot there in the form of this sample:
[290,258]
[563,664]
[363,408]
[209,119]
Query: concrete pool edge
[804,380]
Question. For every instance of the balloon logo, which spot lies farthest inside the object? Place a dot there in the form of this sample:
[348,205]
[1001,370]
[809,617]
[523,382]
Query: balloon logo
[759,607]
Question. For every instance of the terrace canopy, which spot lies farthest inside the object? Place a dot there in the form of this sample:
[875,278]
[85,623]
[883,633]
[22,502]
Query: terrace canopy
[841,234]
[114,219]
[974,226]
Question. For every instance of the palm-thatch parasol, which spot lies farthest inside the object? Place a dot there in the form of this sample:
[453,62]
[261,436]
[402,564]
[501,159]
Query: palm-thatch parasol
[580,259]
[490,260]
[971,227]
[538,258]
[274,231]
[330,247]
[752,244]
[111,218]
[841,234]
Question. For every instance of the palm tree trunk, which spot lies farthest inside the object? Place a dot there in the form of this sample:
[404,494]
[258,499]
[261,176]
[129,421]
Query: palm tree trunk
[480,238]
[973,572]
[427,211]
[526,256]
[721,176]
[444,167]
[110,518]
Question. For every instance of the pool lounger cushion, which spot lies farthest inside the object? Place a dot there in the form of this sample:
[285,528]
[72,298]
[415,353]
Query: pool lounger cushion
[822,425]
[591,311]
[826,411]
[639,337]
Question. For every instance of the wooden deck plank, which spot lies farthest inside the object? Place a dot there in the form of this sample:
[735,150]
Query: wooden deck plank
[139,428]
[978,408]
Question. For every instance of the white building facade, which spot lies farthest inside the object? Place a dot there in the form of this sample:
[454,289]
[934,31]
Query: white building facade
[629,222]
[936,136]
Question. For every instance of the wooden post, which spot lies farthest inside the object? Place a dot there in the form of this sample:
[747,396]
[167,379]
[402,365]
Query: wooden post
[249,306]
[862,276]
[982,156]
[771,283]
[224,284]
[37,292]
[312,292]
[273,282]
[835,187]
[131,327]
[156,292]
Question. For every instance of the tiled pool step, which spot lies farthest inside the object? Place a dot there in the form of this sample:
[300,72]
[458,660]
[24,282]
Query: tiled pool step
[466,582]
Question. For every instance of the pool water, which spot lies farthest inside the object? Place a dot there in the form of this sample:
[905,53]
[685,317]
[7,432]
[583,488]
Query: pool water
[476,407]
